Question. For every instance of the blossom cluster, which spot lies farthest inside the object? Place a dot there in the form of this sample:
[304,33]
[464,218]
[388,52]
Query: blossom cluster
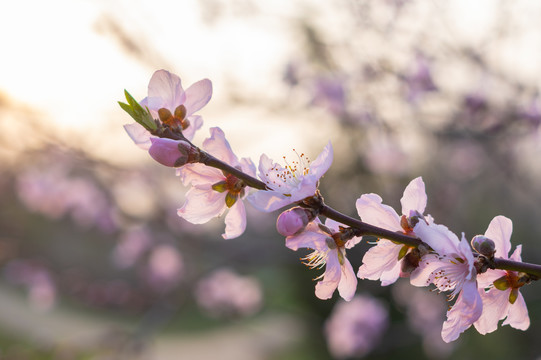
[220,182]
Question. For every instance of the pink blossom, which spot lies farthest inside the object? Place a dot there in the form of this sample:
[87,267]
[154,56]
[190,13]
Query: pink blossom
[419,81]
[165,268]
[225,293]
[330,94]
[131,246]
[212,191]
[354,328]
[503,301]
[382,262]
[37,279]
[450,268]
[329,251]
[165,92]
[290,183]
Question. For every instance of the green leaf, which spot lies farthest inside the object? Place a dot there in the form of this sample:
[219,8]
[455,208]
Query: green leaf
[137,112]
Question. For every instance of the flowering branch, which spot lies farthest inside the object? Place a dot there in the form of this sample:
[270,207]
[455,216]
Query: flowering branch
[361,228]
[505,264]
[485,281]
[209,160]
[367,229]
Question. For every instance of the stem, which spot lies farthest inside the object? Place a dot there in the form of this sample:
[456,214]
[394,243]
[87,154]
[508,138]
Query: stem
[362,227]
[210,160]
[367,229]
[505,264]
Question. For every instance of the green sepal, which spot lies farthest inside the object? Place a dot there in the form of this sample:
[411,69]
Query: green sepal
[230,199]
[340,257]
[220,186]
[513,295]
[138,113]
[501,283]
[403,251]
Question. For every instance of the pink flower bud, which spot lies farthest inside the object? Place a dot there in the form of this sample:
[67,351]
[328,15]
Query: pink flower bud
[293,221]
[168,152]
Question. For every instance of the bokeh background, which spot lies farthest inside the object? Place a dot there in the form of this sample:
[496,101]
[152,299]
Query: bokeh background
[94,262]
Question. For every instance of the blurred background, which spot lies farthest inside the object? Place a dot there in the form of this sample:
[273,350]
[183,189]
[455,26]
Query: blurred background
[94,261]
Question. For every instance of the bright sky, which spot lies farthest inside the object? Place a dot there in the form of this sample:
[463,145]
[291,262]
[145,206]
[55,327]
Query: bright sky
[61,58]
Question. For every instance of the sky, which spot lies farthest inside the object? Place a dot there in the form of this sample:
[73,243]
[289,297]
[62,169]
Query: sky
[70,60]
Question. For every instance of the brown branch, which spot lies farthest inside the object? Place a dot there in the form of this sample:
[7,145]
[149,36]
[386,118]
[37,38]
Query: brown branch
[362,227]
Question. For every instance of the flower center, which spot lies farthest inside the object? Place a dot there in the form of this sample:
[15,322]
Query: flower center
[175,121]
[289,176]
[451,276]
[233,186]
[316,260]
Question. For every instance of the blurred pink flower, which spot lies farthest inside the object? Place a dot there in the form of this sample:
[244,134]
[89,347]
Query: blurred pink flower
[165,92]
[165,267]
[505,301]
[224,293]
[329,251]
[212,191]
[354,328]
[450,268]
[532,112]
[37,280]
[292,183]
[382,262]
[54,193]
[330,94]
[425,313]
[419,81]
[131,246]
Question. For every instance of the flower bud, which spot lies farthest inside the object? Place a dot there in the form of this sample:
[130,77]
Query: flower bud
[483,245]
[293,221]
[168,152]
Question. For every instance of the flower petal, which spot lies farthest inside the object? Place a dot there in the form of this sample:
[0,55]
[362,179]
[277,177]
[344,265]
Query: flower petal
[516,255]
[248,167]
[372,211]
[380,262]
[322,163]
[202,204]
[307,239]
[438,237]
[499,230]
[197,96]
[486,279]
[414,197]
[196,122]
[423,274]
[268,201]
[217,146]
[235,221]
[517,316]
[495,307]
[466,310]
[331,278]
[165,91]
[348,281]
[198,174]
[139,135]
